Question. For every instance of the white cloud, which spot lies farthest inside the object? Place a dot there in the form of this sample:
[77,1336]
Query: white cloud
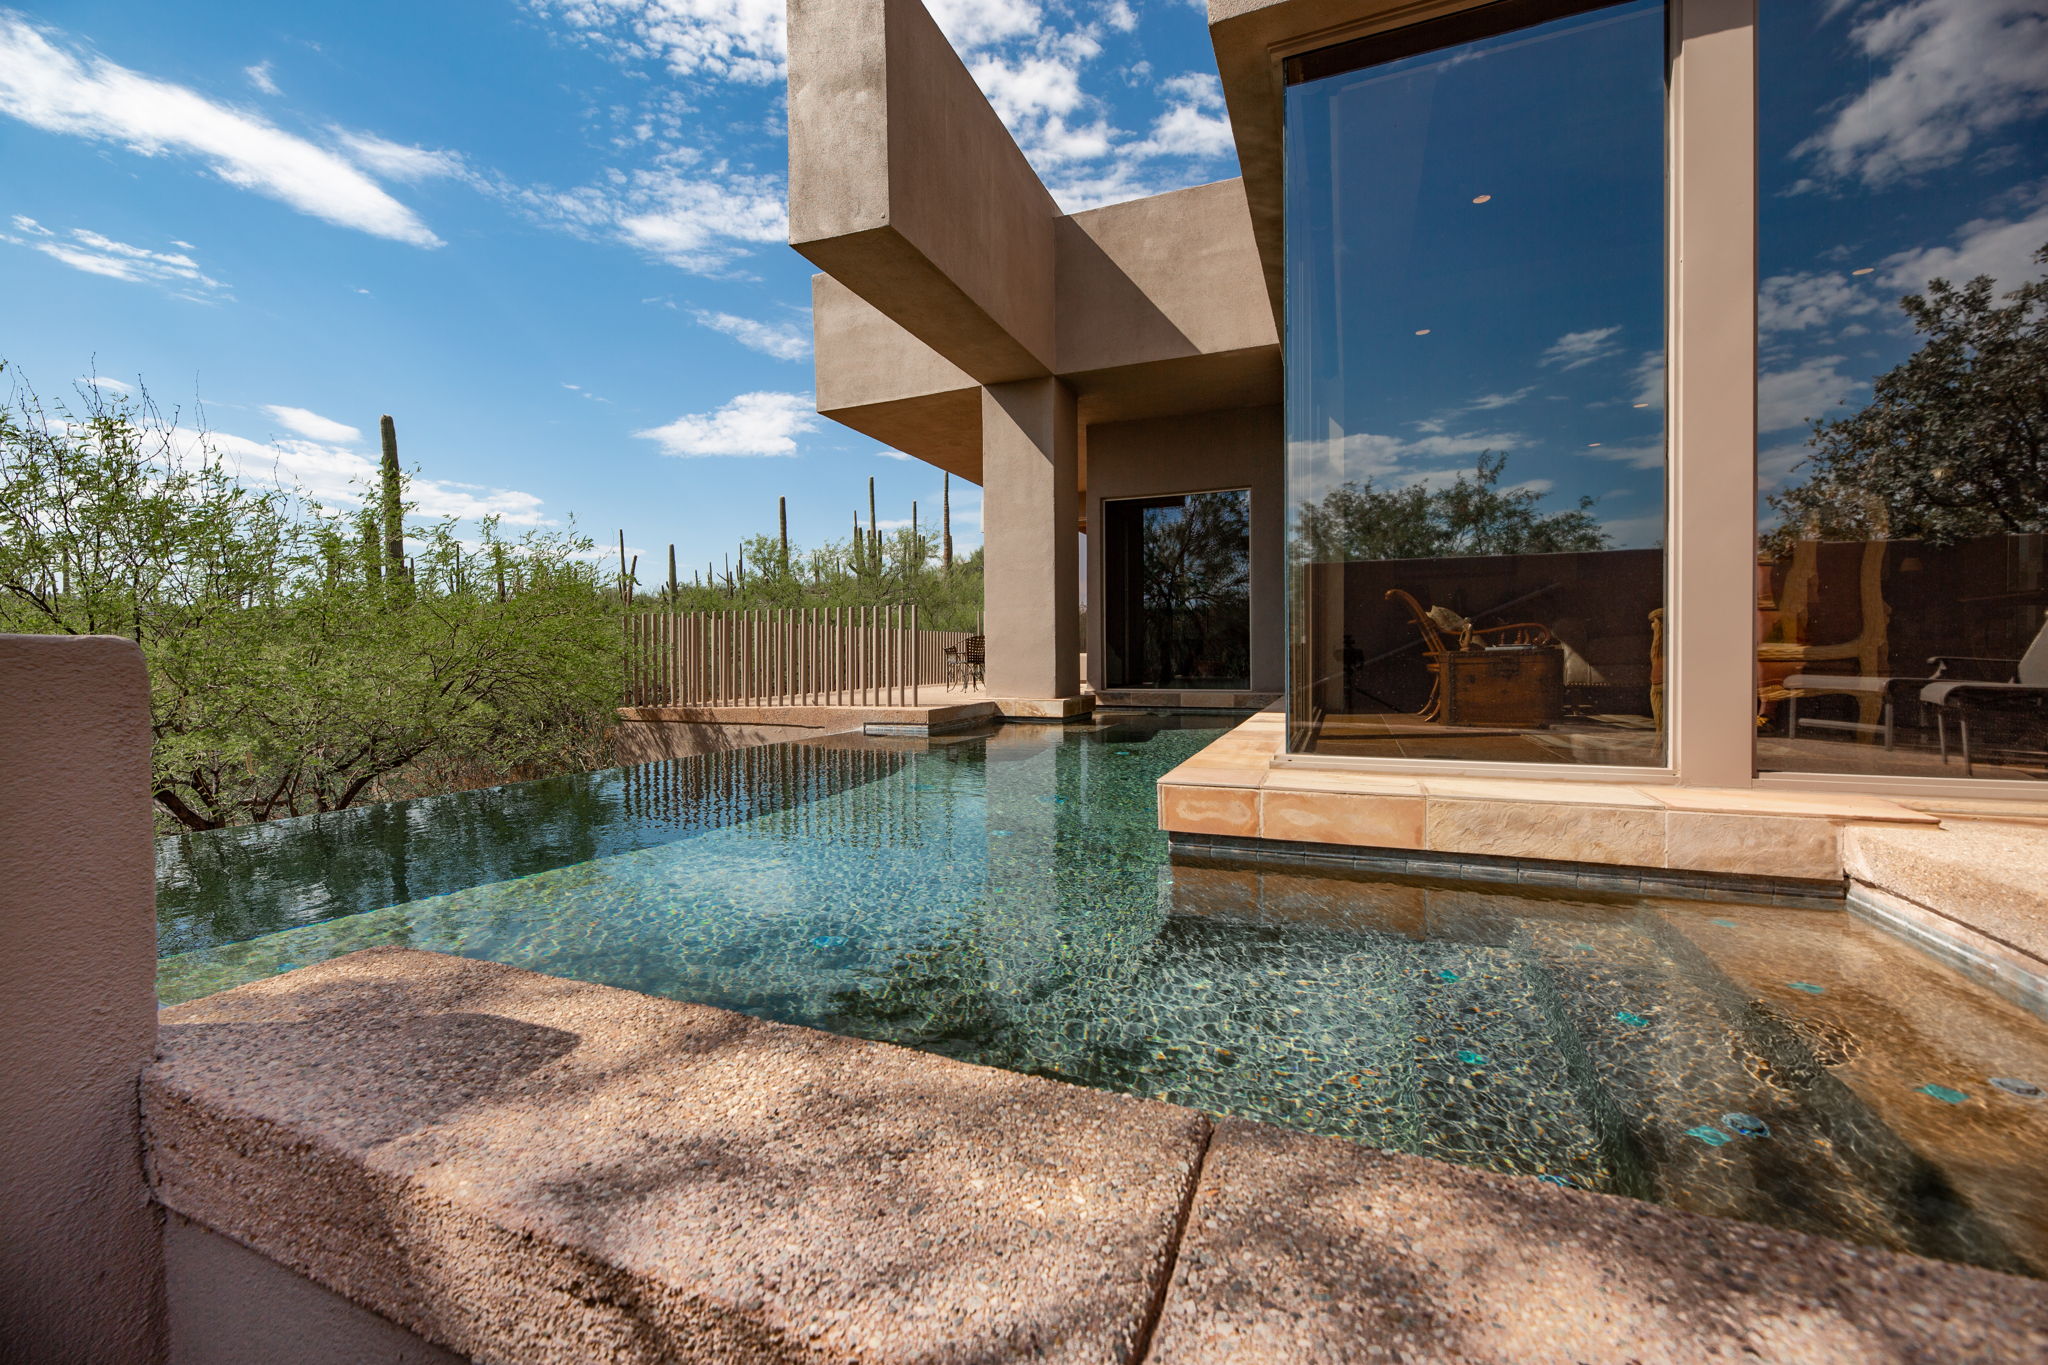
[1575,349]
[736,40]
[313,426]
[894,455]
[84,95]
[1362,455]
[763,423]
[1120,16]
[337,476]
[2004,250]
[100,381]
[1944,74]
[1790,398]
[695,221]
[96,254]
[1797,302]
[782,340]
[259,76]
[977,23]
[396,160]
[1489,402]
[1649,381]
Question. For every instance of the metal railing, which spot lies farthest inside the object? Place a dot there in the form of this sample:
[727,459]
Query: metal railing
[809,656]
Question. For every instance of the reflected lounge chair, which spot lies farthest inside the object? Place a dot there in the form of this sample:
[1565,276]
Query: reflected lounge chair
[2028,681]
[1439,623]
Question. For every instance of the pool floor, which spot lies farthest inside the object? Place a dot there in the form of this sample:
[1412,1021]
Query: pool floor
[1008,899]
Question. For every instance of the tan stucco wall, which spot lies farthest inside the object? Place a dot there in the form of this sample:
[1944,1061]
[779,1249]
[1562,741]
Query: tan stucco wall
[1240,448]
[233,1306]
[1030,515]
[81,1267]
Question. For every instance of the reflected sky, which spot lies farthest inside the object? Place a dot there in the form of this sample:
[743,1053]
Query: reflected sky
[1898,140]
[1475,262]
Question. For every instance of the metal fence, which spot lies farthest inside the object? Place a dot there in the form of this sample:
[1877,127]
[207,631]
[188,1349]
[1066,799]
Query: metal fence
[813,656]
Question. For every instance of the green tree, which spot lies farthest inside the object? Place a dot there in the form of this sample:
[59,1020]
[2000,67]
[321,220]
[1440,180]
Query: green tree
[1472,515]
[1954,441]
[282,681]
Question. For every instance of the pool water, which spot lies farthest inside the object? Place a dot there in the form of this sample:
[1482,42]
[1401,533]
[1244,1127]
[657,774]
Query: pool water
[1007,899]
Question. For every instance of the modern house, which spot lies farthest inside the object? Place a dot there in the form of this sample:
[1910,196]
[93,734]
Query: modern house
[1472,419]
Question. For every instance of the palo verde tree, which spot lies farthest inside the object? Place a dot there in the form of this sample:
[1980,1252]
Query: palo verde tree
[287,674]
[1954,441]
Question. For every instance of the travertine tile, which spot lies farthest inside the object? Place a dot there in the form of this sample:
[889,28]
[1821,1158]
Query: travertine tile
[1764,845]
[1764,801]
[1342,818]
[1552,792]
[1209,810]
[1331,780]
[1633,836]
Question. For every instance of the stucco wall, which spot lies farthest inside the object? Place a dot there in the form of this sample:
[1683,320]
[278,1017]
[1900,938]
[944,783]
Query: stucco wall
[1236,448]
[81,1268]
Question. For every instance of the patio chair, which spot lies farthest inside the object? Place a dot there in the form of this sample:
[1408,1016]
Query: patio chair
[1947,696]
[1438,623]
[974,661]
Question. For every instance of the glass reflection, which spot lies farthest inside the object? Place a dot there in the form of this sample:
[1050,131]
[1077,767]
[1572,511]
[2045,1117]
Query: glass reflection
[1475,317]
[1903,388]
[1177,578]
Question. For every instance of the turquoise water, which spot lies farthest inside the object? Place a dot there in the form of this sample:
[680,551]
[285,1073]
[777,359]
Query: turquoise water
[1007,899]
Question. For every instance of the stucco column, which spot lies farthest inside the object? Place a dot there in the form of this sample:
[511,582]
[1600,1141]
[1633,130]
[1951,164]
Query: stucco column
[1030,524]
[81,1255]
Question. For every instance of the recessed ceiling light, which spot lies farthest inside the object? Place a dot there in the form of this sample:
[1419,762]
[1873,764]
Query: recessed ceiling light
[1864,271]
[1482,198]
[1592,445]
[1641,405]
[1422,331]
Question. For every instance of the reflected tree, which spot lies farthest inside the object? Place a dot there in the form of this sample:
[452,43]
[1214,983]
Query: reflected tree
[1471,515]
[1954,442]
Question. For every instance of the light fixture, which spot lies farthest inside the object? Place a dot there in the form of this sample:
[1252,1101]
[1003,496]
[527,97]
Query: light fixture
[1639,405]
[1592,445]
[1864,271]
[1422,331]
[1481,199]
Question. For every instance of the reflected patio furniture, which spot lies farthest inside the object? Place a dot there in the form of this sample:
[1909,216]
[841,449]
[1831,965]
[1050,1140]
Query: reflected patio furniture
[1866,647]
[1499,675]
[1948,696]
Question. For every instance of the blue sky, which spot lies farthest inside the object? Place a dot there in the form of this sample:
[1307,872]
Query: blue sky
[546,235]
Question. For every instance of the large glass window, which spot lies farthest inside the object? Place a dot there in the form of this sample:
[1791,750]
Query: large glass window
[1475,326]
[1177,584]
[1902,393]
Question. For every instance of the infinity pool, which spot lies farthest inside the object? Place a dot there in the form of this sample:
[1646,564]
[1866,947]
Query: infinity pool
[1007,899]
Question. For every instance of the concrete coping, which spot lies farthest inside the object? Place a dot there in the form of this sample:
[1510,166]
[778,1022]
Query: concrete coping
[521,1168]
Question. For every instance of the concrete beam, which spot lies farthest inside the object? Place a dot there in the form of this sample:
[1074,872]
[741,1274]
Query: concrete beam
[81,1256]
[905,186]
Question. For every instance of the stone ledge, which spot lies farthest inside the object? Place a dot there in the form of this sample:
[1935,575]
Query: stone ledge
[1043,708]
[1311,1250]
[526,1169]
[834,718]
[1240,787]
[520,1168]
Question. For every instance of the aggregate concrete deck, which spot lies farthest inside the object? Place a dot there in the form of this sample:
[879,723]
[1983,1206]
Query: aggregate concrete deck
[526,1169]
[1312,1250]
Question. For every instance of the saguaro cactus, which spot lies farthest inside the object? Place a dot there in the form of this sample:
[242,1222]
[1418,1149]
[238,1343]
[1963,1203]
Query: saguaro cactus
[782,524]
[393,508]
[946,519]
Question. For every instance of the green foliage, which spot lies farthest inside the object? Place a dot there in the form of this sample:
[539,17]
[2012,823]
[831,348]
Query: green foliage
[1469,516]
[902,569]
[1954,442]
[286,677]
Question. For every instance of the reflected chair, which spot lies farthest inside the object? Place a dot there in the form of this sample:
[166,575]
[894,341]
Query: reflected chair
[1875,712]
[1438,624]
[2026,682]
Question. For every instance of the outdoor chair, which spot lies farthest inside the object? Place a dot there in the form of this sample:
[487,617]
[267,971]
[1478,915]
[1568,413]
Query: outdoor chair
[973,660]
[1958,697]
[1946,691]
[1445,634]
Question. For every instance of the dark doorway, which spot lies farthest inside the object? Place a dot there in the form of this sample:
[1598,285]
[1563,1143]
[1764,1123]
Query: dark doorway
[1177,591]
